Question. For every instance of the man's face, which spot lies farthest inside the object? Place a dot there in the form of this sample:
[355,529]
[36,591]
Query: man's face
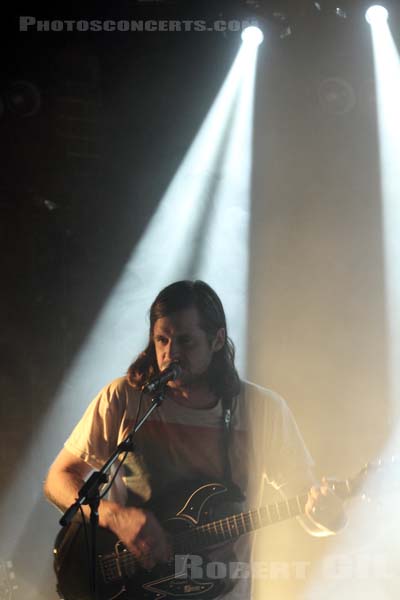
[179,337]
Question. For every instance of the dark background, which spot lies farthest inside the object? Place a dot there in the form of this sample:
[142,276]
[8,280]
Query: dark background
[76,194]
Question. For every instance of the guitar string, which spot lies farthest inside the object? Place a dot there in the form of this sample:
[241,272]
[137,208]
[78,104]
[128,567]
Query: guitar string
[232,521]
[203,531]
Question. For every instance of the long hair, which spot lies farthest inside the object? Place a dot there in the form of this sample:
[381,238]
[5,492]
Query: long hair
[222,375]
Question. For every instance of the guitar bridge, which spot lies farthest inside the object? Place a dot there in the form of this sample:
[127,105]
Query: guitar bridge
[110,568]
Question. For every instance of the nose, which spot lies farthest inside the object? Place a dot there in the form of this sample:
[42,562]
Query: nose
[173,351]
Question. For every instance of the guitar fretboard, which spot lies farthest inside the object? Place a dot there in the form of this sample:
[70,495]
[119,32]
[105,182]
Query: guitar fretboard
[232,527]
[216,532]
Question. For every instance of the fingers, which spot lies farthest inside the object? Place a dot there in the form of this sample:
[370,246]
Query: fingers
[143,536]
[324,489]
[315,497]
[324,508]
[143,553]
[146,552]
[151,545]
[156,539]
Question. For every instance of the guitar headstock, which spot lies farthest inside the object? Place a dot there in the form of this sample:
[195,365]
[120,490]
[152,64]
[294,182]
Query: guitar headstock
[356,485]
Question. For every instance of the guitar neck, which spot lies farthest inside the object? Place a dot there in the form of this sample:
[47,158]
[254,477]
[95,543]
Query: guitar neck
[233,526]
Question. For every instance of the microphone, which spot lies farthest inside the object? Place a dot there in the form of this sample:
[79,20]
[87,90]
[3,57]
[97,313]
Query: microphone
[171,373]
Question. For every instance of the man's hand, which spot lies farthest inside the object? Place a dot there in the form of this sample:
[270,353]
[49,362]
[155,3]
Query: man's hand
[325,509]
[139,531]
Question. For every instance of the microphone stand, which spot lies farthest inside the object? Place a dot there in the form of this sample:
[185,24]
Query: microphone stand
[89,492]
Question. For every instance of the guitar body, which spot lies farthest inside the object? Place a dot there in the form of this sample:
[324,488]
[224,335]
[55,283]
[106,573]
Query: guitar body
[120,577]
[198,517]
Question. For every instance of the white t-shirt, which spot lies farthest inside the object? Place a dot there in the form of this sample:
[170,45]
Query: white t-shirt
[178,443]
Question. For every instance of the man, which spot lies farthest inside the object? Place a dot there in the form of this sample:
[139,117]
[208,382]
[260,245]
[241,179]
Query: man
[210,426]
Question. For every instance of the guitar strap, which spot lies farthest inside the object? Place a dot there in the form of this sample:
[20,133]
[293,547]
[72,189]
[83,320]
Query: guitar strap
[227,403]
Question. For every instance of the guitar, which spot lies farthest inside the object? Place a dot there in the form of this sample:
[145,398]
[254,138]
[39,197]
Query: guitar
[192,528]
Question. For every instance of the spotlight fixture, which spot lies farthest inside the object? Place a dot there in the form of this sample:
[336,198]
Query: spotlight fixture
[376,14]
[252,36]
[339,12]
[336,96]
[22,98]
[285,32]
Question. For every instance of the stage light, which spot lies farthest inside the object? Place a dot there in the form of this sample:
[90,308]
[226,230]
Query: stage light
[376,14]
[22,98]
[253,36]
